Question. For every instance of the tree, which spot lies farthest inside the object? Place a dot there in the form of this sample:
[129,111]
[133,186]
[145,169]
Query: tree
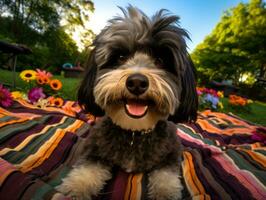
[75,19]
[43,26]
[42,15]
[236,45]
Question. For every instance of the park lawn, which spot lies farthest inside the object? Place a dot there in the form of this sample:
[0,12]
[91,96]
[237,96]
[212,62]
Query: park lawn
[68,91]
[70,85]
[256,115]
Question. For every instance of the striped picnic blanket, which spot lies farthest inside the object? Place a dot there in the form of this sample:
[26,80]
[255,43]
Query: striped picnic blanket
[222,158]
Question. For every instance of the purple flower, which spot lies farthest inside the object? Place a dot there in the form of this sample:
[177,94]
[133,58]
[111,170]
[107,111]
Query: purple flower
[5,97]
[35,94]
[212,99]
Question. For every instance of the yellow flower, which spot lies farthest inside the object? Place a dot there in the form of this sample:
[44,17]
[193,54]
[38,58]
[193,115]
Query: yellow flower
[17,95]
[28,75]
[220,94]
[220,104]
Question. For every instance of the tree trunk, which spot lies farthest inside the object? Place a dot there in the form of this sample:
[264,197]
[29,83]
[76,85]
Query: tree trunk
[263,71]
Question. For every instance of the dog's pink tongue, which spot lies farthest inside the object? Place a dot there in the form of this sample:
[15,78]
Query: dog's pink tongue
[136,109]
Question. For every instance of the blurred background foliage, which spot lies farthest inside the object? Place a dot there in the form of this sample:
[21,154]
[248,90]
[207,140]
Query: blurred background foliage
[46,27]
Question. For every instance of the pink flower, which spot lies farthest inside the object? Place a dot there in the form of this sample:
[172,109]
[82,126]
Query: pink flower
[5,97]
[209,91]
[43,73]
[199,92]
[35,94]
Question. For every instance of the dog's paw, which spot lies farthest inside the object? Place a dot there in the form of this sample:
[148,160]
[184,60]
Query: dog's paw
[165,184]
[72,191]
[85,181]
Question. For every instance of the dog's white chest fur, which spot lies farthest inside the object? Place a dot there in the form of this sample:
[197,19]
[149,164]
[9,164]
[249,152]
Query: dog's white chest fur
[129,166]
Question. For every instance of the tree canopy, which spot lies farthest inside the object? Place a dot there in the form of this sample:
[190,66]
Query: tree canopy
[43,26]
[236,46]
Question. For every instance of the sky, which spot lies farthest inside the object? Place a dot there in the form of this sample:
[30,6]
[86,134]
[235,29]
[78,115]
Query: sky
[198,17]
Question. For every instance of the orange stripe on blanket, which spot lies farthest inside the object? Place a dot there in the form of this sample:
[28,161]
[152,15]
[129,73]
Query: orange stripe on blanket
[69,109]
[75,126]
[224,116]
[136,190]
[193,183]
[128,188]
[47,149]
[257,146]
[44,152]
[232,119]
[133,189]
[26,103]
[66,109]
[260,158]
[14,121]
[254,146]
[30,138]
[26,116]
[230,131]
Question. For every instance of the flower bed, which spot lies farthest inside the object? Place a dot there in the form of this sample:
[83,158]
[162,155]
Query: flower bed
[209,99]
[42,90]
[240,103]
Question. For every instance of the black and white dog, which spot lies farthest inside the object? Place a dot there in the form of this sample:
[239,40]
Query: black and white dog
[139,78]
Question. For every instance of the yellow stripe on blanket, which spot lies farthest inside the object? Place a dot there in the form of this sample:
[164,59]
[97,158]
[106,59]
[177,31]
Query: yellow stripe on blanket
[46,149]
[29,139]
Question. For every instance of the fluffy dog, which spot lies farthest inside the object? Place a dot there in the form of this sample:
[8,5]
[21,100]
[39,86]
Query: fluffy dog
[139,78]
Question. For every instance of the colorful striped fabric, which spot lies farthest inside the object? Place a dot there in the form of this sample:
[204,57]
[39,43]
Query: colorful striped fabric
[221,158]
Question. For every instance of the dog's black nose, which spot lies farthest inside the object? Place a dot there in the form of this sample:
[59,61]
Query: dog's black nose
[137,84]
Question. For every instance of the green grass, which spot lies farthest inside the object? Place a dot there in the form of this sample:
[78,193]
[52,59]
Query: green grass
[256,115]
[68,91]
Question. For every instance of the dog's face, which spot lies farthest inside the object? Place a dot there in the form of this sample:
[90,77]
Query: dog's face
[140,72]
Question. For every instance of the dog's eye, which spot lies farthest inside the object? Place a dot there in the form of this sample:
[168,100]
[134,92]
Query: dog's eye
[122,57]
[159,62]
[115,59]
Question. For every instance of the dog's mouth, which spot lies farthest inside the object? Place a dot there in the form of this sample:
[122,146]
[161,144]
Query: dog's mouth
[136,108]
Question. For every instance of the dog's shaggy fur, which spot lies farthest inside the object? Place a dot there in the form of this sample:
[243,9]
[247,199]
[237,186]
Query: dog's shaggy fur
[140,78]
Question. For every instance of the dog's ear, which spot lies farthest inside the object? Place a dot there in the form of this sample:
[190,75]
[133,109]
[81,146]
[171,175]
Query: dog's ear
[187,110]
[85,92]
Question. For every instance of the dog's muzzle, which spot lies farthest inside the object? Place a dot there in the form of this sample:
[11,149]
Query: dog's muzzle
[137,84]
